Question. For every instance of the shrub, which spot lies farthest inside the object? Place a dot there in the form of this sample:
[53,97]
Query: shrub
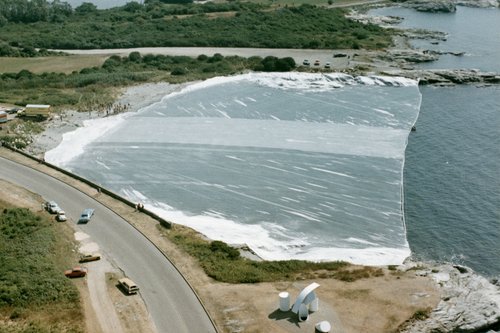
[179,71]
[134,56]
[224,249]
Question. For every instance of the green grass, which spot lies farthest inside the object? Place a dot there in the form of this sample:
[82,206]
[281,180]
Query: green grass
[287,26]
[50,64]
[223,263]
[34,293]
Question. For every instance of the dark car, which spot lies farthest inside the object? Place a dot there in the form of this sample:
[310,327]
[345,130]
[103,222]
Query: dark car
[76,272]
[86,215]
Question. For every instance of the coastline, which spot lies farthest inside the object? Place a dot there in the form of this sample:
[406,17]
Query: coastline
[134,97]
[450,292]
[446,297]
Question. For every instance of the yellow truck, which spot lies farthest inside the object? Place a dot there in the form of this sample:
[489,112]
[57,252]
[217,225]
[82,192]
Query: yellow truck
[40,111]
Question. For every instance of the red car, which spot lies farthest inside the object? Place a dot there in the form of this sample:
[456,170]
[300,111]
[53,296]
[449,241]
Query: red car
[76,272]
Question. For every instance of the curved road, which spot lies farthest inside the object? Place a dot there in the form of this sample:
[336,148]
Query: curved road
[170,301]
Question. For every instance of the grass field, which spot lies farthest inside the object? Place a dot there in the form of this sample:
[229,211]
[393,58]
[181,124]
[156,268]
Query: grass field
[35,296]
[58,64]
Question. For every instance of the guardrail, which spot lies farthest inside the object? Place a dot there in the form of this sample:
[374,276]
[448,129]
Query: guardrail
[98,187]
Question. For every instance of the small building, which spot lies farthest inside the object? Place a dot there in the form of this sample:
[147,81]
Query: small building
[36,110]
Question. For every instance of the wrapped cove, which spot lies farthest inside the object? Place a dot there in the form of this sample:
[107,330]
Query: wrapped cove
[296,166]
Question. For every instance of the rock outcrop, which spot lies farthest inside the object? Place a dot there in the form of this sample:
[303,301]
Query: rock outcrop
[478,3]
[469,302]
[435,6]
[446,76]
[411,56]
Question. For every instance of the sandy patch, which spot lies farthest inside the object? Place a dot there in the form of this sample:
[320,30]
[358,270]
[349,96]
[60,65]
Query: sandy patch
[79,236]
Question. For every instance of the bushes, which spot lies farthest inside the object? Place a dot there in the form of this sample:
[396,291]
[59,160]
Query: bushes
[274,64]
[59,89]
[224,263]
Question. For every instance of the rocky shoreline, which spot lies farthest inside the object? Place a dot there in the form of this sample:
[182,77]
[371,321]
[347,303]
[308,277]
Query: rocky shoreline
[469,302]
[402,58]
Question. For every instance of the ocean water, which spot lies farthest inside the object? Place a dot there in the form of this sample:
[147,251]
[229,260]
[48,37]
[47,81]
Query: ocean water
[452,173]
[303,166]
[452,178]
[474,31]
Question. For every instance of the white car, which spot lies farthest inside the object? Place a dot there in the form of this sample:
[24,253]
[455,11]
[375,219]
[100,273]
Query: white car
[86,215]
[61,216]
[52,207]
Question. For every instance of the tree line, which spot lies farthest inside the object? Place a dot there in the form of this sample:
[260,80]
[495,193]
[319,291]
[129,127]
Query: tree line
[219,25]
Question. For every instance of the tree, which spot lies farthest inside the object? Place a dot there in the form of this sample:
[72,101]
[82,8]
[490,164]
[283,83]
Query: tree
[86,8]
[134,57]
[132,7]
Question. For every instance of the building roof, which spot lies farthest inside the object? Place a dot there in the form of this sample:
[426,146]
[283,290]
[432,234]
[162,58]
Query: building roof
[39,106]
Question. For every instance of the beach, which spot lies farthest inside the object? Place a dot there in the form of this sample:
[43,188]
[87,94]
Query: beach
[134,98]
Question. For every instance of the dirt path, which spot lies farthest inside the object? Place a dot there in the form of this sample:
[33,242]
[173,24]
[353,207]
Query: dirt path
[99,296]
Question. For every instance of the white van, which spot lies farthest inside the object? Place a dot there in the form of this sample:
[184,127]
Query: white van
[129,286]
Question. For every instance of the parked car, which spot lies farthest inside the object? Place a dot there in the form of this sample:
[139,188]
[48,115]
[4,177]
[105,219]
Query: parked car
[76,272]
[52,207]
[128,285]
[306,62]
[90,257]
[61,216]
[316,63]
[328,65]
[86,215]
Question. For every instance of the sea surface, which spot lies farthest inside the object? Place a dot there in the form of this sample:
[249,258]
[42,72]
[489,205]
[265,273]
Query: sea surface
[452,170]
[311,166]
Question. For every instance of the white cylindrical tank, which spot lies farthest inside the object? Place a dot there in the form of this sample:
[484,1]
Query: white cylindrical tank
[303,312]
[323,327]
[284,301]
[314,306]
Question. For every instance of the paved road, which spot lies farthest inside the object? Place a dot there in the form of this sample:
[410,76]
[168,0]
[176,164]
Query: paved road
[171,303]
